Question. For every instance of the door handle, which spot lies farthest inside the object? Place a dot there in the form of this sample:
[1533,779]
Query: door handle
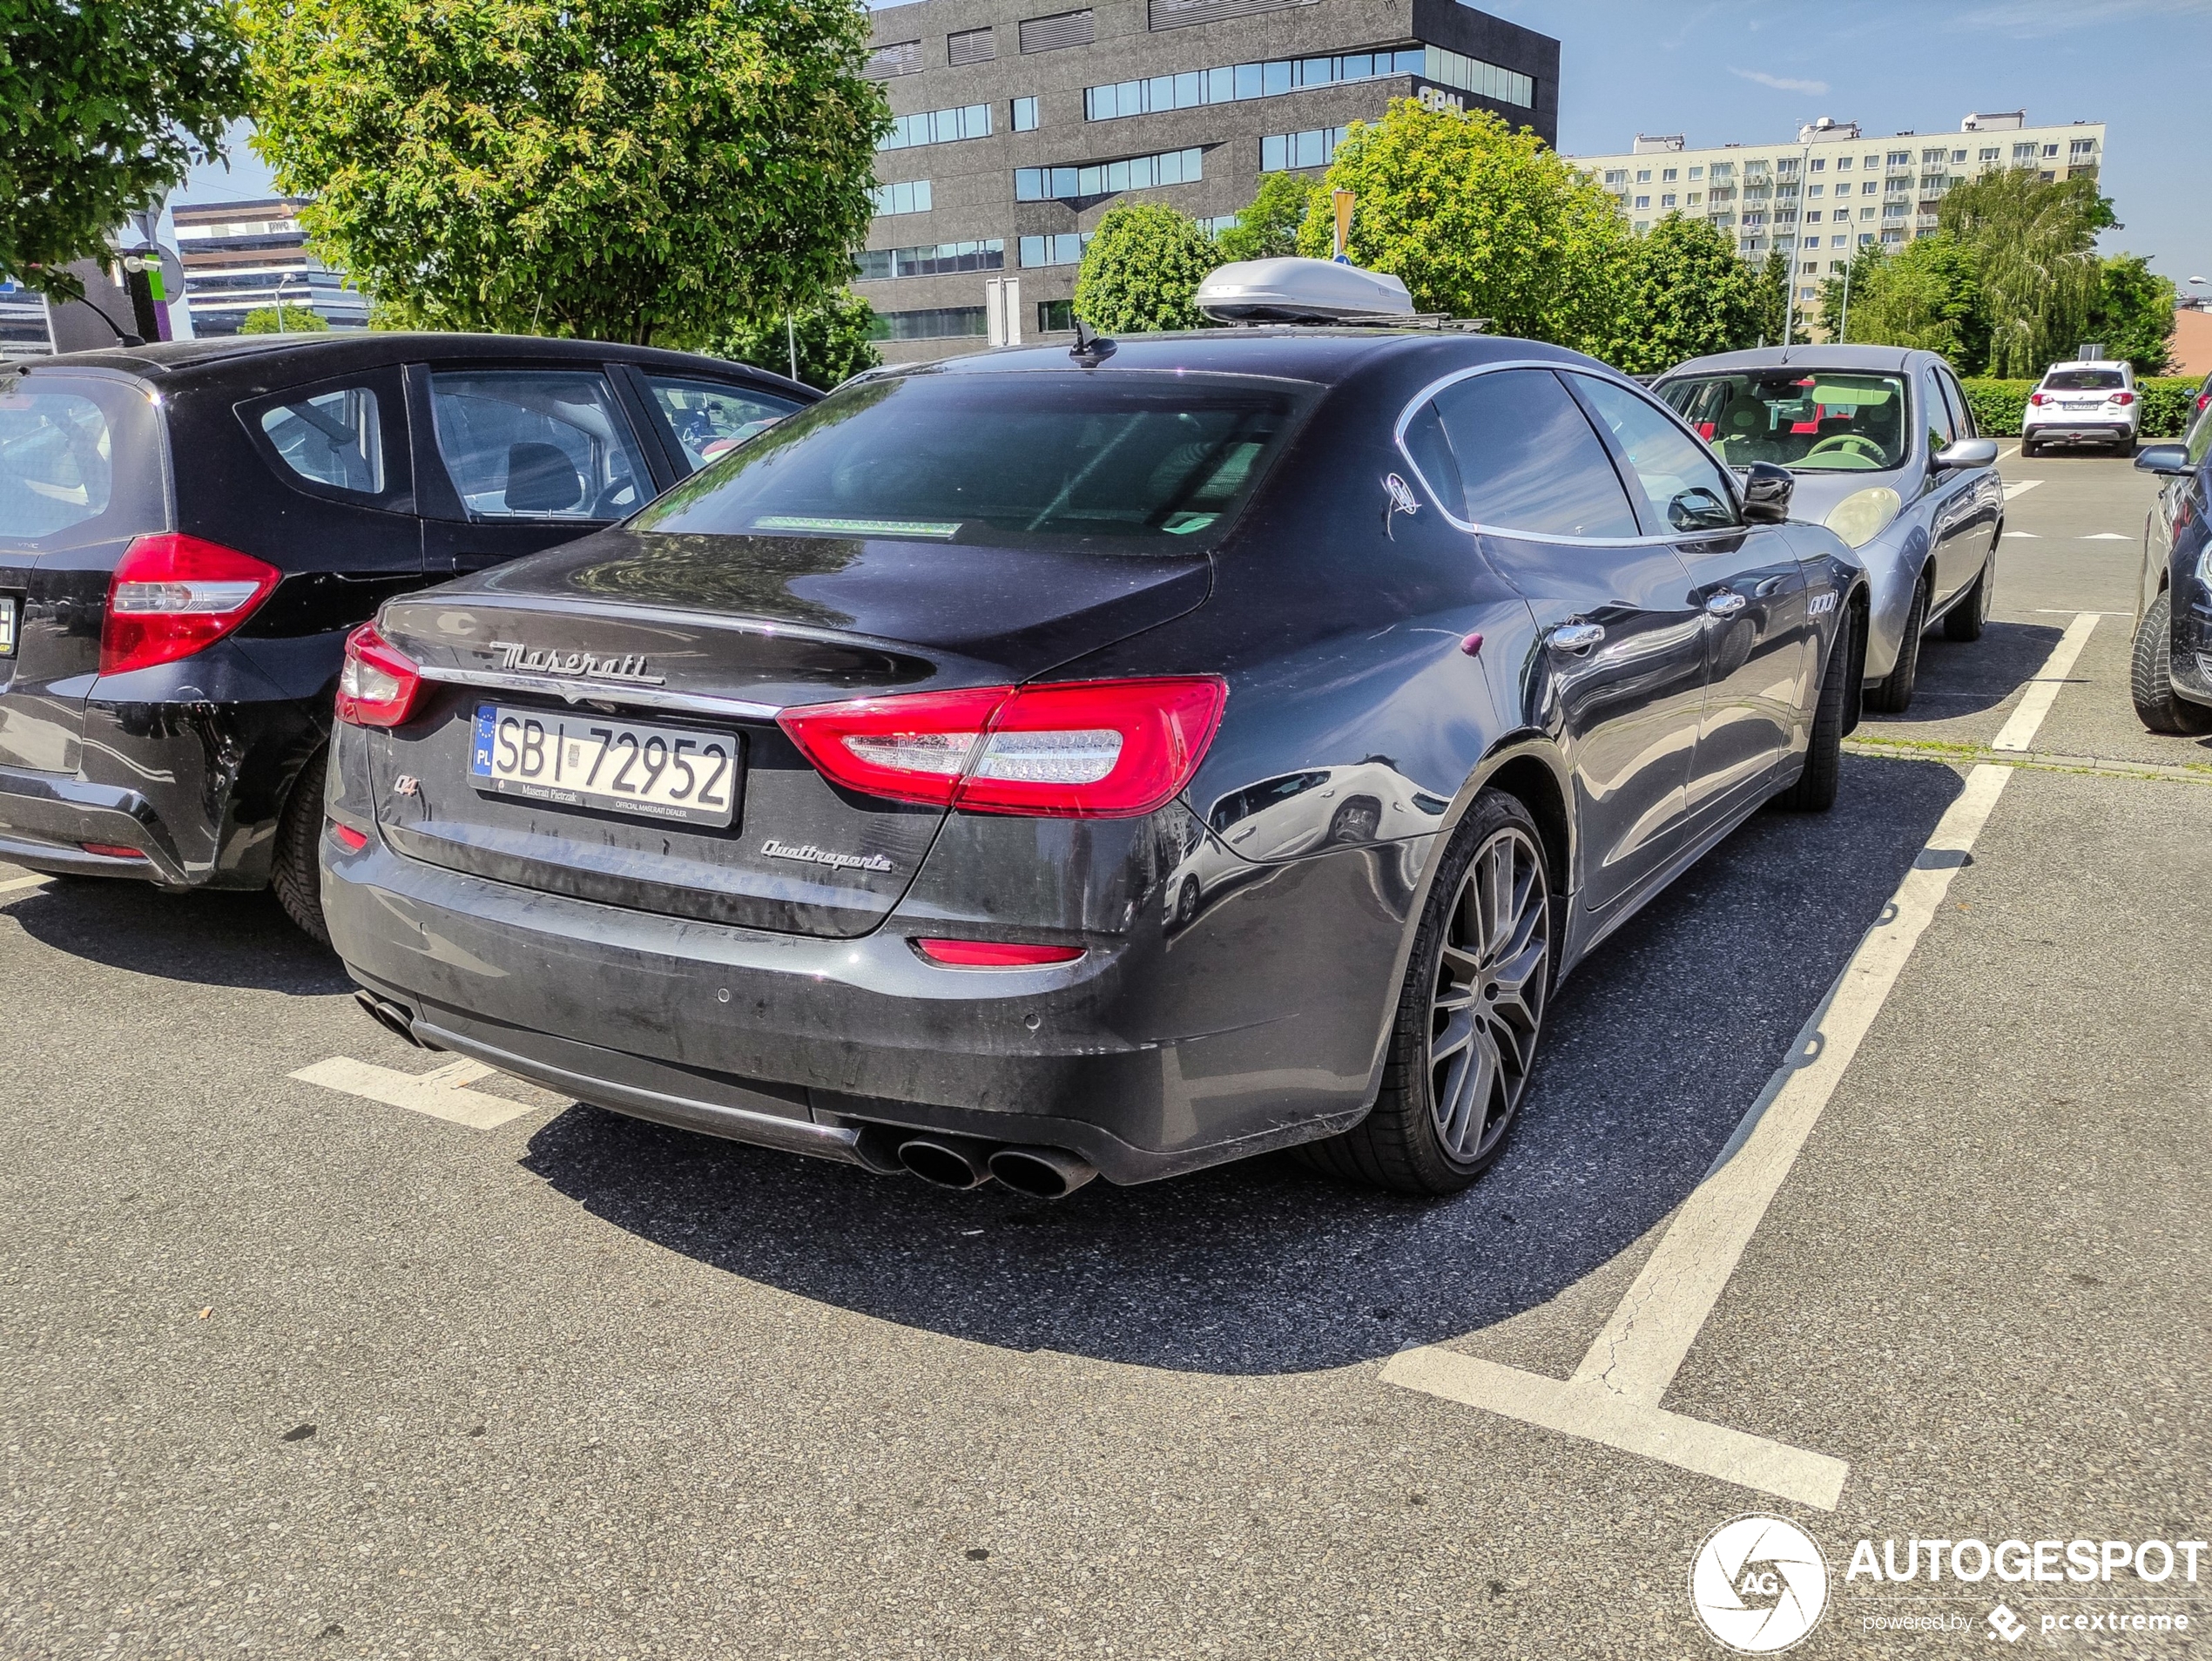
[1725,605]
[1576,637]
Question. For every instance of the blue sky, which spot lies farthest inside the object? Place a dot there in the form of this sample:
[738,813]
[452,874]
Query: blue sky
[1754,73]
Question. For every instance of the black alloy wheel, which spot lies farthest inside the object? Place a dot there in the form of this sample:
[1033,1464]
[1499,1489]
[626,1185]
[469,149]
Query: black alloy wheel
[1469,1016]
[2150,677]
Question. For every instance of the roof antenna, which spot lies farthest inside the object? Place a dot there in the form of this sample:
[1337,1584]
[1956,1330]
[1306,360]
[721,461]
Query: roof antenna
[1090,350]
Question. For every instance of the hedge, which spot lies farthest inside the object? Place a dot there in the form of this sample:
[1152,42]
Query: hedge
[2168,399]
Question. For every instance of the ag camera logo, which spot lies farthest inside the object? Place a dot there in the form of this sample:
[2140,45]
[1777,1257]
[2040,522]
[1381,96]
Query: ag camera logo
[1759,1585]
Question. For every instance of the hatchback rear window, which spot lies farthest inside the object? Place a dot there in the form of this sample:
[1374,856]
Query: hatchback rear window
[2084,381]
[81,460]
[1127,462]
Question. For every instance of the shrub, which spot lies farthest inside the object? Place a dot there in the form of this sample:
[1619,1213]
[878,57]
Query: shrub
[1143,266]
[1998,405]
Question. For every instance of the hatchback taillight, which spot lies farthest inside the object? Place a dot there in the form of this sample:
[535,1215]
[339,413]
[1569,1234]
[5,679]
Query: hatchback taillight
[173,595]
[379,685]
[1085,749]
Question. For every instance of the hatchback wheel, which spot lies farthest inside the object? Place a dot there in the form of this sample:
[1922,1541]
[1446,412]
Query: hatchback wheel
[1965,620]
[1469,1013]
[2150,677]
[295,875]
[1893,695]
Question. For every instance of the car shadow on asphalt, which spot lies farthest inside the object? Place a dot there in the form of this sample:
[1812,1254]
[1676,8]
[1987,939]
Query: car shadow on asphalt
[1657,1046]
[204,936]
[1959,680]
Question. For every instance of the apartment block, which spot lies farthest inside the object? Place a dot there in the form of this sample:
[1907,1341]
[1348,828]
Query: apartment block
[241,257]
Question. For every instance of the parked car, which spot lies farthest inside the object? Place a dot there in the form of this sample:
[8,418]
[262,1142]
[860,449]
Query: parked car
[188,532]
[2171,678]
[829,803]
[1886,454]
[2089,402]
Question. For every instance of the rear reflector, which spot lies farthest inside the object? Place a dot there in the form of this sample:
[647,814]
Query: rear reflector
[171,595]
[994,954]
[347,838]
[379,685]
[1084,749]
[110,851]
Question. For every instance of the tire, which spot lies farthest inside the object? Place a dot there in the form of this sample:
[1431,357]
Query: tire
[1483,951]
[1815,789]
[1964,622]
[2029,449]
[1893,696]
[1186,902]
[293,873]
[2150,677]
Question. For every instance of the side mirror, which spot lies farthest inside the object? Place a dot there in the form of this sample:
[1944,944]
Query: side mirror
[1766,490]
[1967,452]
[2163,458]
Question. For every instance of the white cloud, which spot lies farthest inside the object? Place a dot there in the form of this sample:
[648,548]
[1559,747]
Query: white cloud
[1780,83]
[2028,18]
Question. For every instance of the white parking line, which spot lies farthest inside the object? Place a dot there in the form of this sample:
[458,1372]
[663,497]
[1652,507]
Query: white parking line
[1613,1397]
[16,885]
[2019,732]
[2104,536]
[442,1092]
[2020,487]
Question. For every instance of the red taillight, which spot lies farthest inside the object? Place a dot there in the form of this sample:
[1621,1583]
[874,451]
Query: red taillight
[2202,399]
[994,954]
[347,838]
[2037,399]
[378,687]
[111,851]
[174,595]
[2123,397]
[1083,749]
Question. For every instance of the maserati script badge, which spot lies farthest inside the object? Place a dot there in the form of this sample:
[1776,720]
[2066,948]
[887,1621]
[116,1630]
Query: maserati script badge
[808,854]
[576,666]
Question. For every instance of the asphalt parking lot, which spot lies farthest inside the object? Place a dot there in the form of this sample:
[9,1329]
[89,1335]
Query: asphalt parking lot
[367,1365]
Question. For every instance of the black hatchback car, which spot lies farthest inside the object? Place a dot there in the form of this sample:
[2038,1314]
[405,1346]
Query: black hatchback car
[2171,670]
[187,532]
[843,800]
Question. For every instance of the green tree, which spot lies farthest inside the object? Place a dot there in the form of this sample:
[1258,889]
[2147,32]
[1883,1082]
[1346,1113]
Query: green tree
[1479,220]
[1268,229]
[287,320]
[105,106]
[2134,316]
[622,169]
[1687,295]
[1839,301]
[836,341]
[1926,296]
[1143,266]
[1770,291]
[2034,248]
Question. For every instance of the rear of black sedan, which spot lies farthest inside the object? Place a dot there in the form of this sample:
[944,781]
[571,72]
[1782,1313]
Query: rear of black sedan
[832,803]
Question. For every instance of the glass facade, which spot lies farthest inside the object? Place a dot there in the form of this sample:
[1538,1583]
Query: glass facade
[931,260]
[908,196]
[939,127]
[1066,249]
[1134,173]
[1273,79]
[1280,152]
[942,323]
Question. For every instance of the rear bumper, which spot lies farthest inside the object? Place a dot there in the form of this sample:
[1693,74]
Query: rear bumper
[2096,432]
[46,818]
[802,1043]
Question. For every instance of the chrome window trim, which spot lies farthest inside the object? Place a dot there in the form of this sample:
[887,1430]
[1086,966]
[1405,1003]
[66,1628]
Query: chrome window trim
[602,692]
[1412,408]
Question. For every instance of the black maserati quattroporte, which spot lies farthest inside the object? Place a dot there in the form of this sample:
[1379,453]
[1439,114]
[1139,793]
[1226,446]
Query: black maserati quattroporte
[1045,764]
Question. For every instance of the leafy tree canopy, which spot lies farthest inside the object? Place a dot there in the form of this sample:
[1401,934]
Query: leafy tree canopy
[1268,229]
[289,320]
[1687,295]
[2134,316]
[2033,246]
[619,169]
[1143,266]
[105,106]
[1926,296]
[836,341]
[1479,220]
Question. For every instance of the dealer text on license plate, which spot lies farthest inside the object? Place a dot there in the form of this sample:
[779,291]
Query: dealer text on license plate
[663,772]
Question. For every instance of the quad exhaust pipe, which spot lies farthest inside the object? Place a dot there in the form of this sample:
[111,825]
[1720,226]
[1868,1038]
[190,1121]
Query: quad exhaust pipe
[1042,1173]
[949,1162]
[957,1163]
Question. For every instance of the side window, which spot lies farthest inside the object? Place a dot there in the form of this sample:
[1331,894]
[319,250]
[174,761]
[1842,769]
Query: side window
[708,417]
[333,438]
[537,444]
[1683,486]
[1962,413]
[1528,460]
[1431,454]
[1935,414]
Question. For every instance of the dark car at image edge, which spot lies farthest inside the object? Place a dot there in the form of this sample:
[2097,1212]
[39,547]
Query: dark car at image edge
[835,803]
[188,532]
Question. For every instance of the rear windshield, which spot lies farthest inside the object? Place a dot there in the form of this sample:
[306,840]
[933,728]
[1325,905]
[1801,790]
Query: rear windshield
[81,462]
[1124,462]
[1810,421]
[2084,381]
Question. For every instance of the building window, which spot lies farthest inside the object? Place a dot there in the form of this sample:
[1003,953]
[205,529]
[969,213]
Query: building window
[1696,197]
[1106,178]
[1217,224]
[1820,164]
[1869,188]
[1055,316]
[908,196]
[1668,200]
[1989,154]
[2050,150]
[1724,170]
[942,323]
[1644,201]
[2078,150]
[1810,266]
[970,46]
[1812,216]
[1280,152]
[939,127]
[1815,190]
[1697,172]
[1232,82]
[1842,163]
[1066,249]
[1929,158]
[931,260]
[1050,34]
[1617,177]
[1786,168]
[1670,175]
[1027,118]
[1901,159]
[1866,213]
[2023,153]
[1644,175]
[900,57]
[1642,226]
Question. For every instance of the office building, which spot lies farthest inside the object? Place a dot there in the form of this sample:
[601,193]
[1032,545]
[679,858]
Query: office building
[241,257]
[1835,189]
[1016,133]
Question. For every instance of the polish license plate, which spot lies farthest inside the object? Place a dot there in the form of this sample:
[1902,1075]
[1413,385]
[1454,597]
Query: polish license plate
[7,627]
[665,772]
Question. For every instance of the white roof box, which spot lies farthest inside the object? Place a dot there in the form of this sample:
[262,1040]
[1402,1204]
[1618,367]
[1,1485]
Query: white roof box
[1299,291]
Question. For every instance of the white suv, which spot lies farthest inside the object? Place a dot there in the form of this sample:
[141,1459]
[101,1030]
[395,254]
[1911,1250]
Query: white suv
[2089,402]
